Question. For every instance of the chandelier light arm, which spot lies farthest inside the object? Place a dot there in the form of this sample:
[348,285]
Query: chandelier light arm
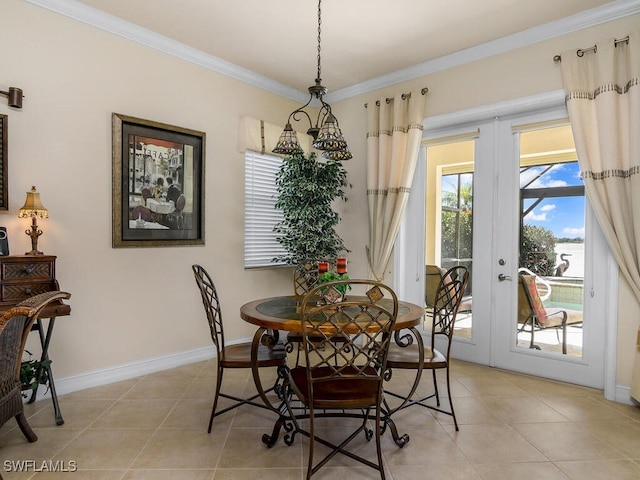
[323,113]
[301,110]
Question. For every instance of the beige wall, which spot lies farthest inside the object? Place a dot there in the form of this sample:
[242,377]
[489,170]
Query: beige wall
[131,305]
[128,304]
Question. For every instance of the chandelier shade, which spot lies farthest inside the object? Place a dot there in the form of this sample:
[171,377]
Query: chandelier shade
[330,137]
[288,142]
[338,155]
[326,133]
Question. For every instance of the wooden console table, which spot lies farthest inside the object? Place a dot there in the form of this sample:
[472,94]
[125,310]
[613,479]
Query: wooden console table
[22,276]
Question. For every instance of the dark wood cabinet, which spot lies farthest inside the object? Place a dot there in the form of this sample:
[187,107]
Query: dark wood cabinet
[21,277]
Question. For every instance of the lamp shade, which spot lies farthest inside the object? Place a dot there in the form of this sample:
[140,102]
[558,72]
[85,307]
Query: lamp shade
[330,137]
[288,143]
[33,206]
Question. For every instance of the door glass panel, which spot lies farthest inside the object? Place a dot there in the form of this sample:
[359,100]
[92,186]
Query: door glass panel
[552,243]
[450,222]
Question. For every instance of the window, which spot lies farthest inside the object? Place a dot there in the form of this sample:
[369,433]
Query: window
[260,214]
[456,220]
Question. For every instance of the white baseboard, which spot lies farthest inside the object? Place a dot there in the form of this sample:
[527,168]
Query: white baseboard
[623,395]
[131,370]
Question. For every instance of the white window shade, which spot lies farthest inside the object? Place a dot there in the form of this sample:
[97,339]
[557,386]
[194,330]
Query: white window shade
[260,214]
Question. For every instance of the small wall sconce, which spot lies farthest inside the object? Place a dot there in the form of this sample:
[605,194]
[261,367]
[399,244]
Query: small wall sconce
[14,96]
[33,208]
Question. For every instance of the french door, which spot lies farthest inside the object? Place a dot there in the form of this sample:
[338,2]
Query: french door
[484,198]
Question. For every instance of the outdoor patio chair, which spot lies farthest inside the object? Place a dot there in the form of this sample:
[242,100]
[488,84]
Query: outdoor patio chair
[533,316]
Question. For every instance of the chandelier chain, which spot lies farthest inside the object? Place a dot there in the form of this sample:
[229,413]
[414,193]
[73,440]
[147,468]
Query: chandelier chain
[319,32]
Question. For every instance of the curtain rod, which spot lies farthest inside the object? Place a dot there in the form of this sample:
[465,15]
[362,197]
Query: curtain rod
[404,97]
[581,51]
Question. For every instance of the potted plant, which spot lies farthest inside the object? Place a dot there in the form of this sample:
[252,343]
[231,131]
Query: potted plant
[32,374]
[330,276]
[307,189]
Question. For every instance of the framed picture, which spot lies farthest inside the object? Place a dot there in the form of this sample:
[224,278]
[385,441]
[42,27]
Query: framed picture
[4,193]
[158,184]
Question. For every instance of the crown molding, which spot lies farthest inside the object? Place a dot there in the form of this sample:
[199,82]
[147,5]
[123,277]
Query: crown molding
[96,18]
[117,26]
[589,18]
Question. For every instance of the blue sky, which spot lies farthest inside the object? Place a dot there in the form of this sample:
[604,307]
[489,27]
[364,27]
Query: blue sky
[563,216]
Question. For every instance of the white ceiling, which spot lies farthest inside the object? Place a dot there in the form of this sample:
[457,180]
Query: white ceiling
[362,40]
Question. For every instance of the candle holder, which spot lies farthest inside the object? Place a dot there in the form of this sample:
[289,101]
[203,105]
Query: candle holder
[341,265]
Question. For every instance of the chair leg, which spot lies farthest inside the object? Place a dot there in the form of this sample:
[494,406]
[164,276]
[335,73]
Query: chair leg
[25,427]
[311,443]
[215,397]
[379,443]
[435,387]
[453,413]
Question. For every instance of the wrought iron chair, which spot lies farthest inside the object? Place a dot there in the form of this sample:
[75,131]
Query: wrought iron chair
[408,351]
[232,356]
[533,316]
[15,326]
[342,379]
[304,279]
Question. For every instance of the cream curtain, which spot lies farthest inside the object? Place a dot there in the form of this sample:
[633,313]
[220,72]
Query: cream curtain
[393,140]
[603,98]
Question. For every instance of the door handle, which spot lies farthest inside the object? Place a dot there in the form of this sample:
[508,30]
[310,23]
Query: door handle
[502,277]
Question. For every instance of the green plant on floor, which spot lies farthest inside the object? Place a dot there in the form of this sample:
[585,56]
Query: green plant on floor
[33,373]
[307,188]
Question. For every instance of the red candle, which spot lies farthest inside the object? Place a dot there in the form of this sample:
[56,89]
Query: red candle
[341,265]
[323,267]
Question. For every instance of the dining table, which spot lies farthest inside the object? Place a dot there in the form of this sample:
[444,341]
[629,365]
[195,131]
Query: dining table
[275,314]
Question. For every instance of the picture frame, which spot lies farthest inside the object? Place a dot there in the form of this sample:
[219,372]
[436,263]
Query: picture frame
[4,192]
[158,184]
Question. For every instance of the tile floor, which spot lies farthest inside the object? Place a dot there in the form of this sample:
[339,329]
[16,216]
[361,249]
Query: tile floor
[155,427]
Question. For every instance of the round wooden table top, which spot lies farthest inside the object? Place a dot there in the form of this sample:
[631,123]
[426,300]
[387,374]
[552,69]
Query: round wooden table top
[281,313]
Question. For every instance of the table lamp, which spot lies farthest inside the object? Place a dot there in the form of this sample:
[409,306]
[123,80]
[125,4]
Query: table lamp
[33,208]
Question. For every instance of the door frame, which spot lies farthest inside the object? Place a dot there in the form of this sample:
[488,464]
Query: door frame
[409,282]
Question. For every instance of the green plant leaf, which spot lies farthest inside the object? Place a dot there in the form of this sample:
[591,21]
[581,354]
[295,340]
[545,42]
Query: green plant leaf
[306,191]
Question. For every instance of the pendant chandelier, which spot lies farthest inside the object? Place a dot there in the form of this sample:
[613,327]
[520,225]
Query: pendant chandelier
[325,132]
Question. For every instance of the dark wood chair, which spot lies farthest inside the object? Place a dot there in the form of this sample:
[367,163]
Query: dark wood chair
[341,380]
[15,326]
[232,356]
[408,351]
